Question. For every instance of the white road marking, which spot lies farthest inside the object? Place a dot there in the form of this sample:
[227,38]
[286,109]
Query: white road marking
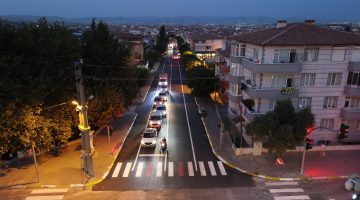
[139,169]
[202,168]
[151,155]
[137,155]
[190,168]
[286,190]
[159,169]
[127,169]
[54,197]
[222,168]
[48,191]
[163,67]
[171,169]
[281,183]
[117,170]
[212,168]
[298,197]
[187,119]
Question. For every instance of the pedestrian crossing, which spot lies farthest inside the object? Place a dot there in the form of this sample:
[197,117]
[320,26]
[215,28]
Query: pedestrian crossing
[286,190]
[172,169]
[47,194]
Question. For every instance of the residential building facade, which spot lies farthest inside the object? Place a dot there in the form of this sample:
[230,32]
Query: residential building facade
[310,65]
[204,45]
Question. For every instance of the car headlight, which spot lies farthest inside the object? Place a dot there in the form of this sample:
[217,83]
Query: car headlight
[154,142]
[142,142]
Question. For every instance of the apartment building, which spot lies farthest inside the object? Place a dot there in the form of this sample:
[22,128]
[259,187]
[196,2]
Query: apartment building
[135,43]
[222,68]
[205,45]
[310,65]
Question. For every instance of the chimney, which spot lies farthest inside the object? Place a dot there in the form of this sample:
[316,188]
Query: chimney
[309,21]
[281,23]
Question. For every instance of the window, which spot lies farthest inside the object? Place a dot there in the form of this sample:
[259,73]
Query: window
[307,80]
[353,78]
[304,102]
[330,102]
[311,54]
[235,69]
[272,104]
[235,89]
[285,56]
[352,102]
[327,123]
[334,79]
[235,49]
[281,80]
[338,54]
[353,124]
[242,50]
[256,54]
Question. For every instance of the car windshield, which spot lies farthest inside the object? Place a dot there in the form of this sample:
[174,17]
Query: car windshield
[161,108]
[149,135]
[163,87]
[155,117]
[162,94]
[162,80]
[157,99]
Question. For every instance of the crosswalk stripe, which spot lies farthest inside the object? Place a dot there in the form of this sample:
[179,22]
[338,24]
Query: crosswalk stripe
[180,168]
[117,170]
[281,183]
[298,197]
[47,191]
[212,168]
[202,168]
[222,168]
[159,169]
[190,169]
[171,169]
[286,190]
[149,169]
[139,169]
[127,169]
[53,197]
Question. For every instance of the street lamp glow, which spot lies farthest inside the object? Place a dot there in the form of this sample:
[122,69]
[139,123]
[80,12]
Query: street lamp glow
[75,102]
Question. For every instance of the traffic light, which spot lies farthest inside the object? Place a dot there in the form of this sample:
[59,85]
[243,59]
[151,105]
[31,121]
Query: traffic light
[343,131]
[308,143]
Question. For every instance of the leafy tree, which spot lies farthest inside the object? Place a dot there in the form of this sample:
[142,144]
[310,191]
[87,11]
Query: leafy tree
[201,81]
[163,40]
[282,128]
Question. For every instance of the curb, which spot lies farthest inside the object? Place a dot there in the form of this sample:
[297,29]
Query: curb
[112,163]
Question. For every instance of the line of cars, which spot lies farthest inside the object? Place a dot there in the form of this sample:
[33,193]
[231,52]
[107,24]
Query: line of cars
[157,113]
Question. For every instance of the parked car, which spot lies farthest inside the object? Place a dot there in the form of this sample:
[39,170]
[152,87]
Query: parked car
[163,96]
[162,110]
[149,137]
[155,120]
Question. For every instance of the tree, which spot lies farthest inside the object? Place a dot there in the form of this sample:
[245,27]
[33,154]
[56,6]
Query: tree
[201,81]
[163,40]
[281,129]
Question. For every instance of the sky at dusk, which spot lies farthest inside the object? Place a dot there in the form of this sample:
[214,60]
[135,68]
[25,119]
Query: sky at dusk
[325,9]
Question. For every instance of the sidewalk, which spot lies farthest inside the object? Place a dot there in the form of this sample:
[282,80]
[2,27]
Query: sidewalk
[63,170]
[336,164]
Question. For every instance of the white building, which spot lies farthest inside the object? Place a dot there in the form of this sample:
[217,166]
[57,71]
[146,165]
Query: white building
[205,45]
[312,66]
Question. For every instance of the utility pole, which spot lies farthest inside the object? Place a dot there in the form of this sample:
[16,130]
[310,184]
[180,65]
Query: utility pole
[86,134]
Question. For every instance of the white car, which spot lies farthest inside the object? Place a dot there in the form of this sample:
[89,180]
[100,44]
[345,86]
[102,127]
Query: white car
[155,120]
[157,101]
[149,137]
[163,79]
[163,96]
[163,88]
[161,109]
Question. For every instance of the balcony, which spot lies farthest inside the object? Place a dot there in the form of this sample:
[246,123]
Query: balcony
[234,59]
[270,92]
[233,114]
[350,113]
[248,113]
[352,91]
[234,98]
[354,66]
[271,68]
[234,79]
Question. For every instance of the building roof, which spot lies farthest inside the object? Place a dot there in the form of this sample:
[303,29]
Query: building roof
[299,34]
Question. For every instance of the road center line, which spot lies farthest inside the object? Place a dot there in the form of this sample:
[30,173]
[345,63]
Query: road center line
[187,119]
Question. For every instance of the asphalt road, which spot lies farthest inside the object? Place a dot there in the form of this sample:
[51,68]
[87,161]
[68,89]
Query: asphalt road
[189,163]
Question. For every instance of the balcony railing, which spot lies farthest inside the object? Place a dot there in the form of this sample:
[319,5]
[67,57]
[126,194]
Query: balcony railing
[249,113]
[352,90]
[278,92]
[271,68]
[350,113]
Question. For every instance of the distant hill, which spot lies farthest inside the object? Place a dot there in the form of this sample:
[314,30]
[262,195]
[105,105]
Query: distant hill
[160,20]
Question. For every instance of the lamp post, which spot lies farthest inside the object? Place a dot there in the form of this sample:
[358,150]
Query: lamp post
[86,134]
